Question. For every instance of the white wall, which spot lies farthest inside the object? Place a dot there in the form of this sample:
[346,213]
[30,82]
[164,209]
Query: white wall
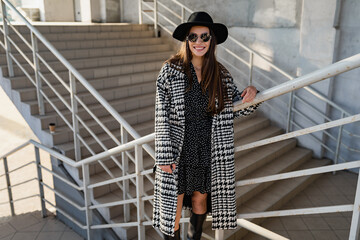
[346,87]
[57,11]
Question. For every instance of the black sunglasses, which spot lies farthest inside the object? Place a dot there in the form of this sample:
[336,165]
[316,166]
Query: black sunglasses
[192,37]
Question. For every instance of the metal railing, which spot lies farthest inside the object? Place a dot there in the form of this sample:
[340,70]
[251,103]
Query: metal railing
[230,49]
[137,145]
[73,110]
[140,199]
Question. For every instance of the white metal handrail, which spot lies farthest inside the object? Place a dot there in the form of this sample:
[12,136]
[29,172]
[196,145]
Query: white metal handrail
[140,172]
[139,200]
[250,64]
[334,69]
[337,68]
[72,72]
[75,100]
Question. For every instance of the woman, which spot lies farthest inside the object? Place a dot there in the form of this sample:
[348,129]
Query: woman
[194,140]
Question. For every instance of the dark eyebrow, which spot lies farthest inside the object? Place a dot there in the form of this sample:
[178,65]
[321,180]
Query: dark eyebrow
[200,33]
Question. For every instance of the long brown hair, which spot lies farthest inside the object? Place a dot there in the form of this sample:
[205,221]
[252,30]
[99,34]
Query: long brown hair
[210,73]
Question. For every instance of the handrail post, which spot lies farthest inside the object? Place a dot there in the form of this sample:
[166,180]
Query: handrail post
[291,99]
[251,62]
[219,234]
[139,191]
[155,19]
[74,110]
[140,12]
[40,181]
[87,200]
[6,40]
[182,14]
[354,229]
[338,144]
[125,165]
[35,51]
[8,183]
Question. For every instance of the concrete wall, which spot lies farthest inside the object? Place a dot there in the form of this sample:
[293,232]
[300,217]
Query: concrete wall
[317,42]
[345,90]
[57,11]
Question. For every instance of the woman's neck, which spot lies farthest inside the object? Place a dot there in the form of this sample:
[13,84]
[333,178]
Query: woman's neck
[197,62]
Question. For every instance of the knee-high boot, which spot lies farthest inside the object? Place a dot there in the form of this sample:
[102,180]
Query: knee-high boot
[195,226]
[175,237]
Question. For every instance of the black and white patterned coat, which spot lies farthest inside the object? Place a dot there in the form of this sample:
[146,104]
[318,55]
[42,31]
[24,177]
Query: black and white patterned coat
[169,135]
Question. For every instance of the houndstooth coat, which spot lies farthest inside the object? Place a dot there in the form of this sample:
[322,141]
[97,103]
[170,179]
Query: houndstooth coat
[169,135]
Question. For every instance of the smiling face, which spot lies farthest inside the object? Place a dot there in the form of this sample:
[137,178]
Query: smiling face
[199,48]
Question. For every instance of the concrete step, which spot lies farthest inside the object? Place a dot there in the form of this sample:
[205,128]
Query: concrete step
[91,62]
[44,27]
[287,162]
[64,134]
[58,103]
[131,232]
[263,133]
[245,127]
[132,117]
[126,106]
[250,162]
[276,196]
[87,99]
[109,93]
[114,193]
[101,83]
[142,128]
[84,45]
[158,53]
[68,36]
[98,83]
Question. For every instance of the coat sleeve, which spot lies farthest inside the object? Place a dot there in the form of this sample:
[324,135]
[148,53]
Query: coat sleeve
[163,146]
[236,96]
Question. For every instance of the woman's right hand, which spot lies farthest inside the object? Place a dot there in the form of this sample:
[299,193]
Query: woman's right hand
[168,168]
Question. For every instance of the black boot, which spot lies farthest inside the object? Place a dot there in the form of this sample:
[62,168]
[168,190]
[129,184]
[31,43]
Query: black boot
[175,237]
[195,226]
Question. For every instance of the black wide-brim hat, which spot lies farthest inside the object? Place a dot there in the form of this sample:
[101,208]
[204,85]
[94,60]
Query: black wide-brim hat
[201,19]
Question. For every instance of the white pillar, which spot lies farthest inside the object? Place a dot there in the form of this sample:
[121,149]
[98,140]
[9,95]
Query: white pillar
[85,10]
[317,40]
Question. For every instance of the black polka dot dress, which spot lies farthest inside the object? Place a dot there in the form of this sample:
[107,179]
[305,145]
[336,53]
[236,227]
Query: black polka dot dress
[195,158]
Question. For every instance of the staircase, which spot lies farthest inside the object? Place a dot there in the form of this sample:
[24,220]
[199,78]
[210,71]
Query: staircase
[122,62]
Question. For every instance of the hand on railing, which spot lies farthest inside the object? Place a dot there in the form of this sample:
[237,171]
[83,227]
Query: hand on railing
[249,94]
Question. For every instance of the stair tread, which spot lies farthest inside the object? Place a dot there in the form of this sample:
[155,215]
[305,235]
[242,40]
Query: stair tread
[94,35]
[274,194]
[284,186]
[117,172]
[244,127]
[266,132]
[284,163]
[98,68]
[84,93]
[69,146]
[101,91]
[247,163]
[102,49]
[93,105]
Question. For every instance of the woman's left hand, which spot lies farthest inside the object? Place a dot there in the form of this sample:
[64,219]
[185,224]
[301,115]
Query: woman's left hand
[249,94]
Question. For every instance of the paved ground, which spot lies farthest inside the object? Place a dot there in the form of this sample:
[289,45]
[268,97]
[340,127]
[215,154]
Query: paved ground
[28,223]
[31,226]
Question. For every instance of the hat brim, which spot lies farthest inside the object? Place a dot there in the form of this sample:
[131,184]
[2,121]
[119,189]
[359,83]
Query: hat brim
[220,30]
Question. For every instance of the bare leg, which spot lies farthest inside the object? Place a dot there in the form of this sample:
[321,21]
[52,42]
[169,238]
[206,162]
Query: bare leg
[178,211]
[199,202]
[198,215]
